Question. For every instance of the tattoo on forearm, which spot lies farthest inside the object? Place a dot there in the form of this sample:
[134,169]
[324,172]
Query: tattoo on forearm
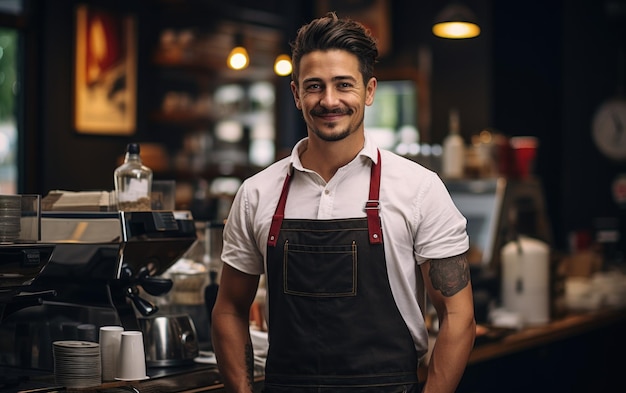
[449,275]
[250,363]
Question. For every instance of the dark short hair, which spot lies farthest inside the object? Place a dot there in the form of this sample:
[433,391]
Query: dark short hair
[330,32]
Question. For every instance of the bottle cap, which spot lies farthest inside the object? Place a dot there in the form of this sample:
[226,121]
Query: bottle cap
[133,148]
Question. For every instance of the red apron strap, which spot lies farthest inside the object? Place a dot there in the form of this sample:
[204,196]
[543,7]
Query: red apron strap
[277,219]
[372,206]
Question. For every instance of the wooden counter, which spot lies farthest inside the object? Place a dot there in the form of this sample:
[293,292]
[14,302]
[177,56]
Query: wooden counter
[570,354]
[577,353]
[561,329]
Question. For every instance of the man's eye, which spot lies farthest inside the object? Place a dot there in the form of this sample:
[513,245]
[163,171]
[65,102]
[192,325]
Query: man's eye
[315,86]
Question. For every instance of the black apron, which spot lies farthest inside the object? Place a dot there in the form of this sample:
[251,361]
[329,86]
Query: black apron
[334,325]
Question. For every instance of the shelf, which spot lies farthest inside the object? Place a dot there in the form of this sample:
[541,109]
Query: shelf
[211,171]
[215,66]
[207,114]
[184,117]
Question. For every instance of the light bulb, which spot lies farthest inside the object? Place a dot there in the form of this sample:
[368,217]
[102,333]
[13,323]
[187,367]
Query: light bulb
[282,65]
[456,30]
[238,58]
[456,21]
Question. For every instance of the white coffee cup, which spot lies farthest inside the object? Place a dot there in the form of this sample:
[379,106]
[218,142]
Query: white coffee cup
[110,341]
[132,357]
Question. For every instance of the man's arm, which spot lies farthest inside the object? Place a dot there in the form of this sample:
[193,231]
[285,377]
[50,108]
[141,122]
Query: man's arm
[450,290]
[230,329]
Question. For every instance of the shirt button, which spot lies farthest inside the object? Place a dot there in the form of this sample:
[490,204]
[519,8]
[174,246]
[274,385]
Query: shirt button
[326,192]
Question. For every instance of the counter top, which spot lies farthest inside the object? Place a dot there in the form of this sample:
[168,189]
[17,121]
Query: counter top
[535,336]
[574,353]
[205,378]
[194,378]
[508,342]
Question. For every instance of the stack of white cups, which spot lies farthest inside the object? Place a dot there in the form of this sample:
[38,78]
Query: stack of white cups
[123,355]
[110,338]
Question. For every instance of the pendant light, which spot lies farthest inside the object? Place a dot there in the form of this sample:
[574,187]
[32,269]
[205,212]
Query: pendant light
[456,21]
[238,58]
[282,65]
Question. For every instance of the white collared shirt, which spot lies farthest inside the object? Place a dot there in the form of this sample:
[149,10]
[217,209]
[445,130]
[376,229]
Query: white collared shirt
[419,219]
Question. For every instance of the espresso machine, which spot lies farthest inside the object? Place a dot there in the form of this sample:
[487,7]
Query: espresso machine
[88,269]
[22,255]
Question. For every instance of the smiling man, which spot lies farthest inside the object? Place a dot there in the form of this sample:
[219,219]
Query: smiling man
[343,229]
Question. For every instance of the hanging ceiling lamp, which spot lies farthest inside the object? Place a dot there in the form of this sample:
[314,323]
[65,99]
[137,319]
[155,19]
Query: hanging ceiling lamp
[456,21]
[282,65]
[238,58]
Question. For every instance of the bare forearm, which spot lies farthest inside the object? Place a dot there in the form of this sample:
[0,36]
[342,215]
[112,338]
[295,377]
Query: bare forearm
[234,352]
[449,358]
[451,292]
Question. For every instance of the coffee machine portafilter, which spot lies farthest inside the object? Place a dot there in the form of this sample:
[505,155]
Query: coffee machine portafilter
[93,269]
[102,259]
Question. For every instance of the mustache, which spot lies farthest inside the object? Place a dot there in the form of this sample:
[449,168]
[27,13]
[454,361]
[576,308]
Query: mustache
[322,111]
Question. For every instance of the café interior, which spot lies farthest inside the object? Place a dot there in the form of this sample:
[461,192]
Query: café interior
[537,95]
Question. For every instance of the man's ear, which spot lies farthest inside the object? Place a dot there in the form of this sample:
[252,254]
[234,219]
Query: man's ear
[370,91]
[296,95]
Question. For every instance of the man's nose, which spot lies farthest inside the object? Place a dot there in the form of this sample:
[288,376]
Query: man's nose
[330,99]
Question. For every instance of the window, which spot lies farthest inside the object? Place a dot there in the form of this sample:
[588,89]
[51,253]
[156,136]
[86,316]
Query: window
[393,114]
[10,10]
[8,124]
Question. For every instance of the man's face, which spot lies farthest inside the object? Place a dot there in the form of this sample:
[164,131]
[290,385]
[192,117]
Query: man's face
[331,94]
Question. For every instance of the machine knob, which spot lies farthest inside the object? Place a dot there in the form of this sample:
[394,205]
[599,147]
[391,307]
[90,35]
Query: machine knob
[145,307]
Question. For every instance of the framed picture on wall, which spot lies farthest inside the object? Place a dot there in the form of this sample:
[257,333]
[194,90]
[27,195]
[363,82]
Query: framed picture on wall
[105,72]
[373,14]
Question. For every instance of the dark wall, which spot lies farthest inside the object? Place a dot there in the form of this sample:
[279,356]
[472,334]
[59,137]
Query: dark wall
[594,63]
[82,162]
[73,161]
[528,67]
[539,68]
[462,75]
[554,64]
[458,71]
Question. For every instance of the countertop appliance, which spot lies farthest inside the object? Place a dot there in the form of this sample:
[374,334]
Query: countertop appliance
[170,340]
[20,264]
[101,264]
[101,259]
[497,209]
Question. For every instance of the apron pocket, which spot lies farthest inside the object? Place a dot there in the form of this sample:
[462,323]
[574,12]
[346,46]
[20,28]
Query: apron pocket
[320,271]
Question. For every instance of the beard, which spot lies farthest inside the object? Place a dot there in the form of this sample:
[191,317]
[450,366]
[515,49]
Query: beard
[336,135]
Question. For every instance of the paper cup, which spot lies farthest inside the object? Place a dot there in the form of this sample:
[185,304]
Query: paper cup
[110,340]
[132,357]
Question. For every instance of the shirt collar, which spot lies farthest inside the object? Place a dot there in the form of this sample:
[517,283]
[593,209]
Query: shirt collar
[369,150]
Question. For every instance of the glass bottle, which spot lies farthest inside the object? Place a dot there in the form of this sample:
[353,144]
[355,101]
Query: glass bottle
[453,164]
[133,182]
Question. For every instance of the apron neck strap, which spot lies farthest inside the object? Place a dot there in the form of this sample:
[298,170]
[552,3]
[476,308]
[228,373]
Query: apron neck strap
[279,214]
[372,206]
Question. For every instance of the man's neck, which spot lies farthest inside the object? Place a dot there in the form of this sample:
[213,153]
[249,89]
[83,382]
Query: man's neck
[325,158]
